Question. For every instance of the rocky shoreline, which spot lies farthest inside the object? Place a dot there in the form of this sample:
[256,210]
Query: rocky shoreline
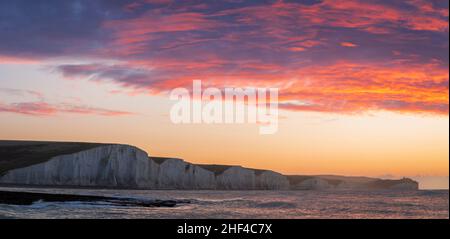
[28,198]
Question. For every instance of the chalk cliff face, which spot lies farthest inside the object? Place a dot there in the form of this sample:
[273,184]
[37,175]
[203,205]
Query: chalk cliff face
[312,184]
[124,166]
[349,183]
[110,165]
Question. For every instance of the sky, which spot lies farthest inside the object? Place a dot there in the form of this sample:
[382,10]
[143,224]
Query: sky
[363,85]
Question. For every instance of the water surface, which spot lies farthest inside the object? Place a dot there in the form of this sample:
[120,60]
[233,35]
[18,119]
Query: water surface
[244,204]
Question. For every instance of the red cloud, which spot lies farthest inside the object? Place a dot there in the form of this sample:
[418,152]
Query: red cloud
[130,35]
[294,46]
[350,87]
[358,14]
[342,87]
[350,14]
[348,44]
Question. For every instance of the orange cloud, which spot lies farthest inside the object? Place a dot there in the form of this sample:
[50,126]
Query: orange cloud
[348,44]
[352,87]
[342,87]
[398,68]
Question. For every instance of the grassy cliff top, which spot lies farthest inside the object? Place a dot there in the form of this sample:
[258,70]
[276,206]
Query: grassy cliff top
[296,179]
[19,154]
[215,168]
[388,183]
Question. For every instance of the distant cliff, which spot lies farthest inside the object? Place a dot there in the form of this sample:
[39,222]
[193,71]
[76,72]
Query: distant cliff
[124,166]
[331,182]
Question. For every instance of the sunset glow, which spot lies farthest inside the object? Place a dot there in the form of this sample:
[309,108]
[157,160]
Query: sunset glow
[363,85]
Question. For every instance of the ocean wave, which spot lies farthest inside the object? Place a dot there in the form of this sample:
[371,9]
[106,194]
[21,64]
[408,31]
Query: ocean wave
[73,204]
[433,192]
[218,201]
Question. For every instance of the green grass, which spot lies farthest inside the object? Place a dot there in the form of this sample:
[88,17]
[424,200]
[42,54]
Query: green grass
[387,183]
[159,160]
[296,179]
[259,171]
[215,168]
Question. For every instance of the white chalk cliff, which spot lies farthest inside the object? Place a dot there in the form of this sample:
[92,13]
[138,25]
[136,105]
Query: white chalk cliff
[124,166]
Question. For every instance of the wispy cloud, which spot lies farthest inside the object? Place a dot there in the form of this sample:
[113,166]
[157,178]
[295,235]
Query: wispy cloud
[19,92]
[46,109]
[38,105]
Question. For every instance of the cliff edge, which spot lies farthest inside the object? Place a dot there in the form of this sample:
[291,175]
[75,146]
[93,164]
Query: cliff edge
[123,166]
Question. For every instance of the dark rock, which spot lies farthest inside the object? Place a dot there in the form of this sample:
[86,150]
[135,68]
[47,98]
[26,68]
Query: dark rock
[28,198]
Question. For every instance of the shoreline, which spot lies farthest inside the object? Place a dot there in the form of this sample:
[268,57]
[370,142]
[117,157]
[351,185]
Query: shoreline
[62,187]
[28,198]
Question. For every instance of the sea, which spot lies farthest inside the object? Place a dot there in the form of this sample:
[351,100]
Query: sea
[241,204]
